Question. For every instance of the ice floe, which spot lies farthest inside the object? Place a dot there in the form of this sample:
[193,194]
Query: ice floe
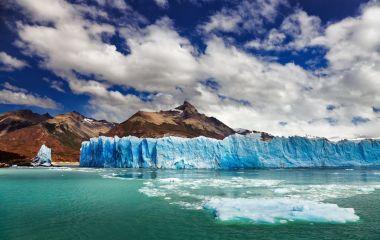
[279,210]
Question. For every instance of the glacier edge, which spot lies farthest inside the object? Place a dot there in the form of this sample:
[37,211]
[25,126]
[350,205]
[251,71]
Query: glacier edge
[233,152]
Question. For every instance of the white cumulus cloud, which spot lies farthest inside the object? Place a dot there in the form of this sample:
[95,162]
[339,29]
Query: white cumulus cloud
[9,63]
[162,3]
[11,94]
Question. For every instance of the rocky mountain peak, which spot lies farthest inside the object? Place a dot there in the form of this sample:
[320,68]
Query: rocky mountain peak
[187,108]
[47,115]
[74,114]
[183,121]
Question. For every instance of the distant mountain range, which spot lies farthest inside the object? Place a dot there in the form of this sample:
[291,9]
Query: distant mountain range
[22,132]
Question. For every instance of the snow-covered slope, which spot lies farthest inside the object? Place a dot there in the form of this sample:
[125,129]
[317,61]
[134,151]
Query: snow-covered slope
[235,151]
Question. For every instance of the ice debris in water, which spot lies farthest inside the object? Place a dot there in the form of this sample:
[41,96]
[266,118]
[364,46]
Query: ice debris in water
[278,210]
[323,192]
[43,157]
[258,200]
[235,151]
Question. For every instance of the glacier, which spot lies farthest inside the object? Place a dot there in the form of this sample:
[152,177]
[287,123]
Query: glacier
[43,157]
[233,152]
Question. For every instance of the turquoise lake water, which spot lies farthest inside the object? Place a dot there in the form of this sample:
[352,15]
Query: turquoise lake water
[81,203]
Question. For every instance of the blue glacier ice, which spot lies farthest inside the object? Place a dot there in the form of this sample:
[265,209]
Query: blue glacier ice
[235,151]
[43,157]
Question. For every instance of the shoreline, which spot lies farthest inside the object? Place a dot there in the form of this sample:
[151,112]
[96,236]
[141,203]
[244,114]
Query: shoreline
[65,164]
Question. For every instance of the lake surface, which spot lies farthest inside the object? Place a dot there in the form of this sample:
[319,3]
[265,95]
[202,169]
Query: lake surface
[82,203]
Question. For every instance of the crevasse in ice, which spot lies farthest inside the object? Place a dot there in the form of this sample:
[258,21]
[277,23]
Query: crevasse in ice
[235,151]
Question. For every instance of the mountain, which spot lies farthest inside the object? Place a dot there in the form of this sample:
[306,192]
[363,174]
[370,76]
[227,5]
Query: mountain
[72,128]
[183,121]
[23,133]
[11,121]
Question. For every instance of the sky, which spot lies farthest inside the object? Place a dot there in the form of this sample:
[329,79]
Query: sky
[287,67]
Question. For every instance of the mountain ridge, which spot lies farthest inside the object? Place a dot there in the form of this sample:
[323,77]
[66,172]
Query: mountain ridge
[182,121]
[11,121]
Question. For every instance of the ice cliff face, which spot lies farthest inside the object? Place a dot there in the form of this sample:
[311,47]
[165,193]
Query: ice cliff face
[43,157]
[235,151]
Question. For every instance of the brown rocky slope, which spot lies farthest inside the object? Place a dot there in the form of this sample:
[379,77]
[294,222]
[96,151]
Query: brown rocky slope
[11,121]
[183,121]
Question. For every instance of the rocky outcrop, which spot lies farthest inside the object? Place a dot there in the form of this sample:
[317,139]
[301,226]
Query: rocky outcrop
[8,159]
[4,165]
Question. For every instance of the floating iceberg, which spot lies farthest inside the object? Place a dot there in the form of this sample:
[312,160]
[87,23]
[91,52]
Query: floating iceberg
[43,157]
[278,210]
[233,152]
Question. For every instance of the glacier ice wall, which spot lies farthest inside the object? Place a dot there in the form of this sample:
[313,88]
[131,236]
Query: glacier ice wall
[235,151]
